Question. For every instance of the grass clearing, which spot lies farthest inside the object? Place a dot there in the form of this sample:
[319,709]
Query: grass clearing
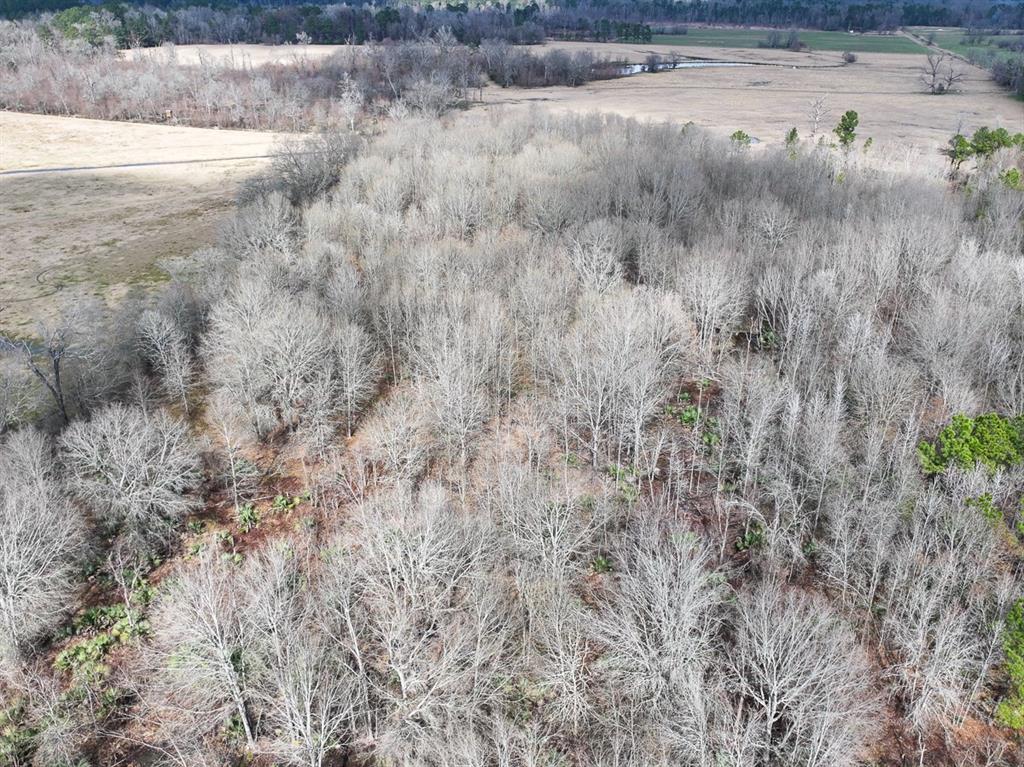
[956,40]
[766,101]
[100,233]
[816,40]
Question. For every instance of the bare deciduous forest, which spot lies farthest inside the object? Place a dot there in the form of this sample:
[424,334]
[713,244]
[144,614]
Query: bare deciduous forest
[68,76]
[520,440]
[540,441]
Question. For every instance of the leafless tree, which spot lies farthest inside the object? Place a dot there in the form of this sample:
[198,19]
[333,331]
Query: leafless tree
[805,677]
[817,113]
[432,615]
[164,345]
[939,74]
[203,652]
[658,630]
[611,372]
[49,372]
[43,539]
[135,470]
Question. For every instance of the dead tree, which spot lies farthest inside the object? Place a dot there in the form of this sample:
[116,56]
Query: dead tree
[938,73]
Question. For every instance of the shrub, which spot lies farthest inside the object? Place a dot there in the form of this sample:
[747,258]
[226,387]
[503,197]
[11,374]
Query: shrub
[741,139]
[846,130]
[849,57]
[990,440]
[1010,712]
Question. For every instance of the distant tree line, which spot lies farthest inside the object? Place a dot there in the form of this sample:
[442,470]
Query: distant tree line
[157,21]
[49,73]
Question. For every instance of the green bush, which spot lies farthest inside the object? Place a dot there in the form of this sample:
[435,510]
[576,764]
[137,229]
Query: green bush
[752,538]
[248,517]
[115,625]
[1010,711]
[686,415]
[988,509]
[983,144]
[601,565]
[990,440]
[846,130]
[17,738]
[741,139]
[1013,179]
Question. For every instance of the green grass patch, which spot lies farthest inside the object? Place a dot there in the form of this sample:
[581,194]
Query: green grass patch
[814,39]
[960,42]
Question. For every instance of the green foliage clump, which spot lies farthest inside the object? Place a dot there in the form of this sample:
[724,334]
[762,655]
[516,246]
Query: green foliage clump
[752,538]
[1010,711]
[846,130]
[627,481]
[988,509]
[84,23]
[741,139]
[990,440]
[983,144]
[114,624]
[17,737]
[690,415]
[684,411]
[601,565]
[287,503]
[1013,179]
[248,517]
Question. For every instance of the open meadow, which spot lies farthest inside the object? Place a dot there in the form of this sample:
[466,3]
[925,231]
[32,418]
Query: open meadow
[776,93]
[90,207]
[818,40]
[963,43]
[239,56]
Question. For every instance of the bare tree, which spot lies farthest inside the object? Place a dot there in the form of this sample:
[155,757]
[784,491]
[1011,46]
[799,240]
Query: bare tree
[658,629]
[164,345]
[203,652]
[302,687]
[805,676]
[135,470]
[43,539]
[817,113]
[54,350]
[432,614]
[939,74]
[611,372]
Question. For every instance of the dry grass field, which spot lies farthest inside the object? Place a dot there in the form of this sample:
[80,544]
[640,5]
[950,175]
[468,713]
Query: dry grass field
[241,56]
[765,101]
[88,208]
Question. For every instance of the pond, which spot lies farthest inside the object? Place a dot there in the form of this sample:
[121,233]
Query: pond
[635,69]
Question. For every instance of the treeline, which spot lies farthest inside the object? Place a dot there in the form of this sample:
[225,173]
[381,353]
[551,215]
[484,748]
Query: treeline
[153,23]
[584,16]
[149,24]
[534,441]
[58,75]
